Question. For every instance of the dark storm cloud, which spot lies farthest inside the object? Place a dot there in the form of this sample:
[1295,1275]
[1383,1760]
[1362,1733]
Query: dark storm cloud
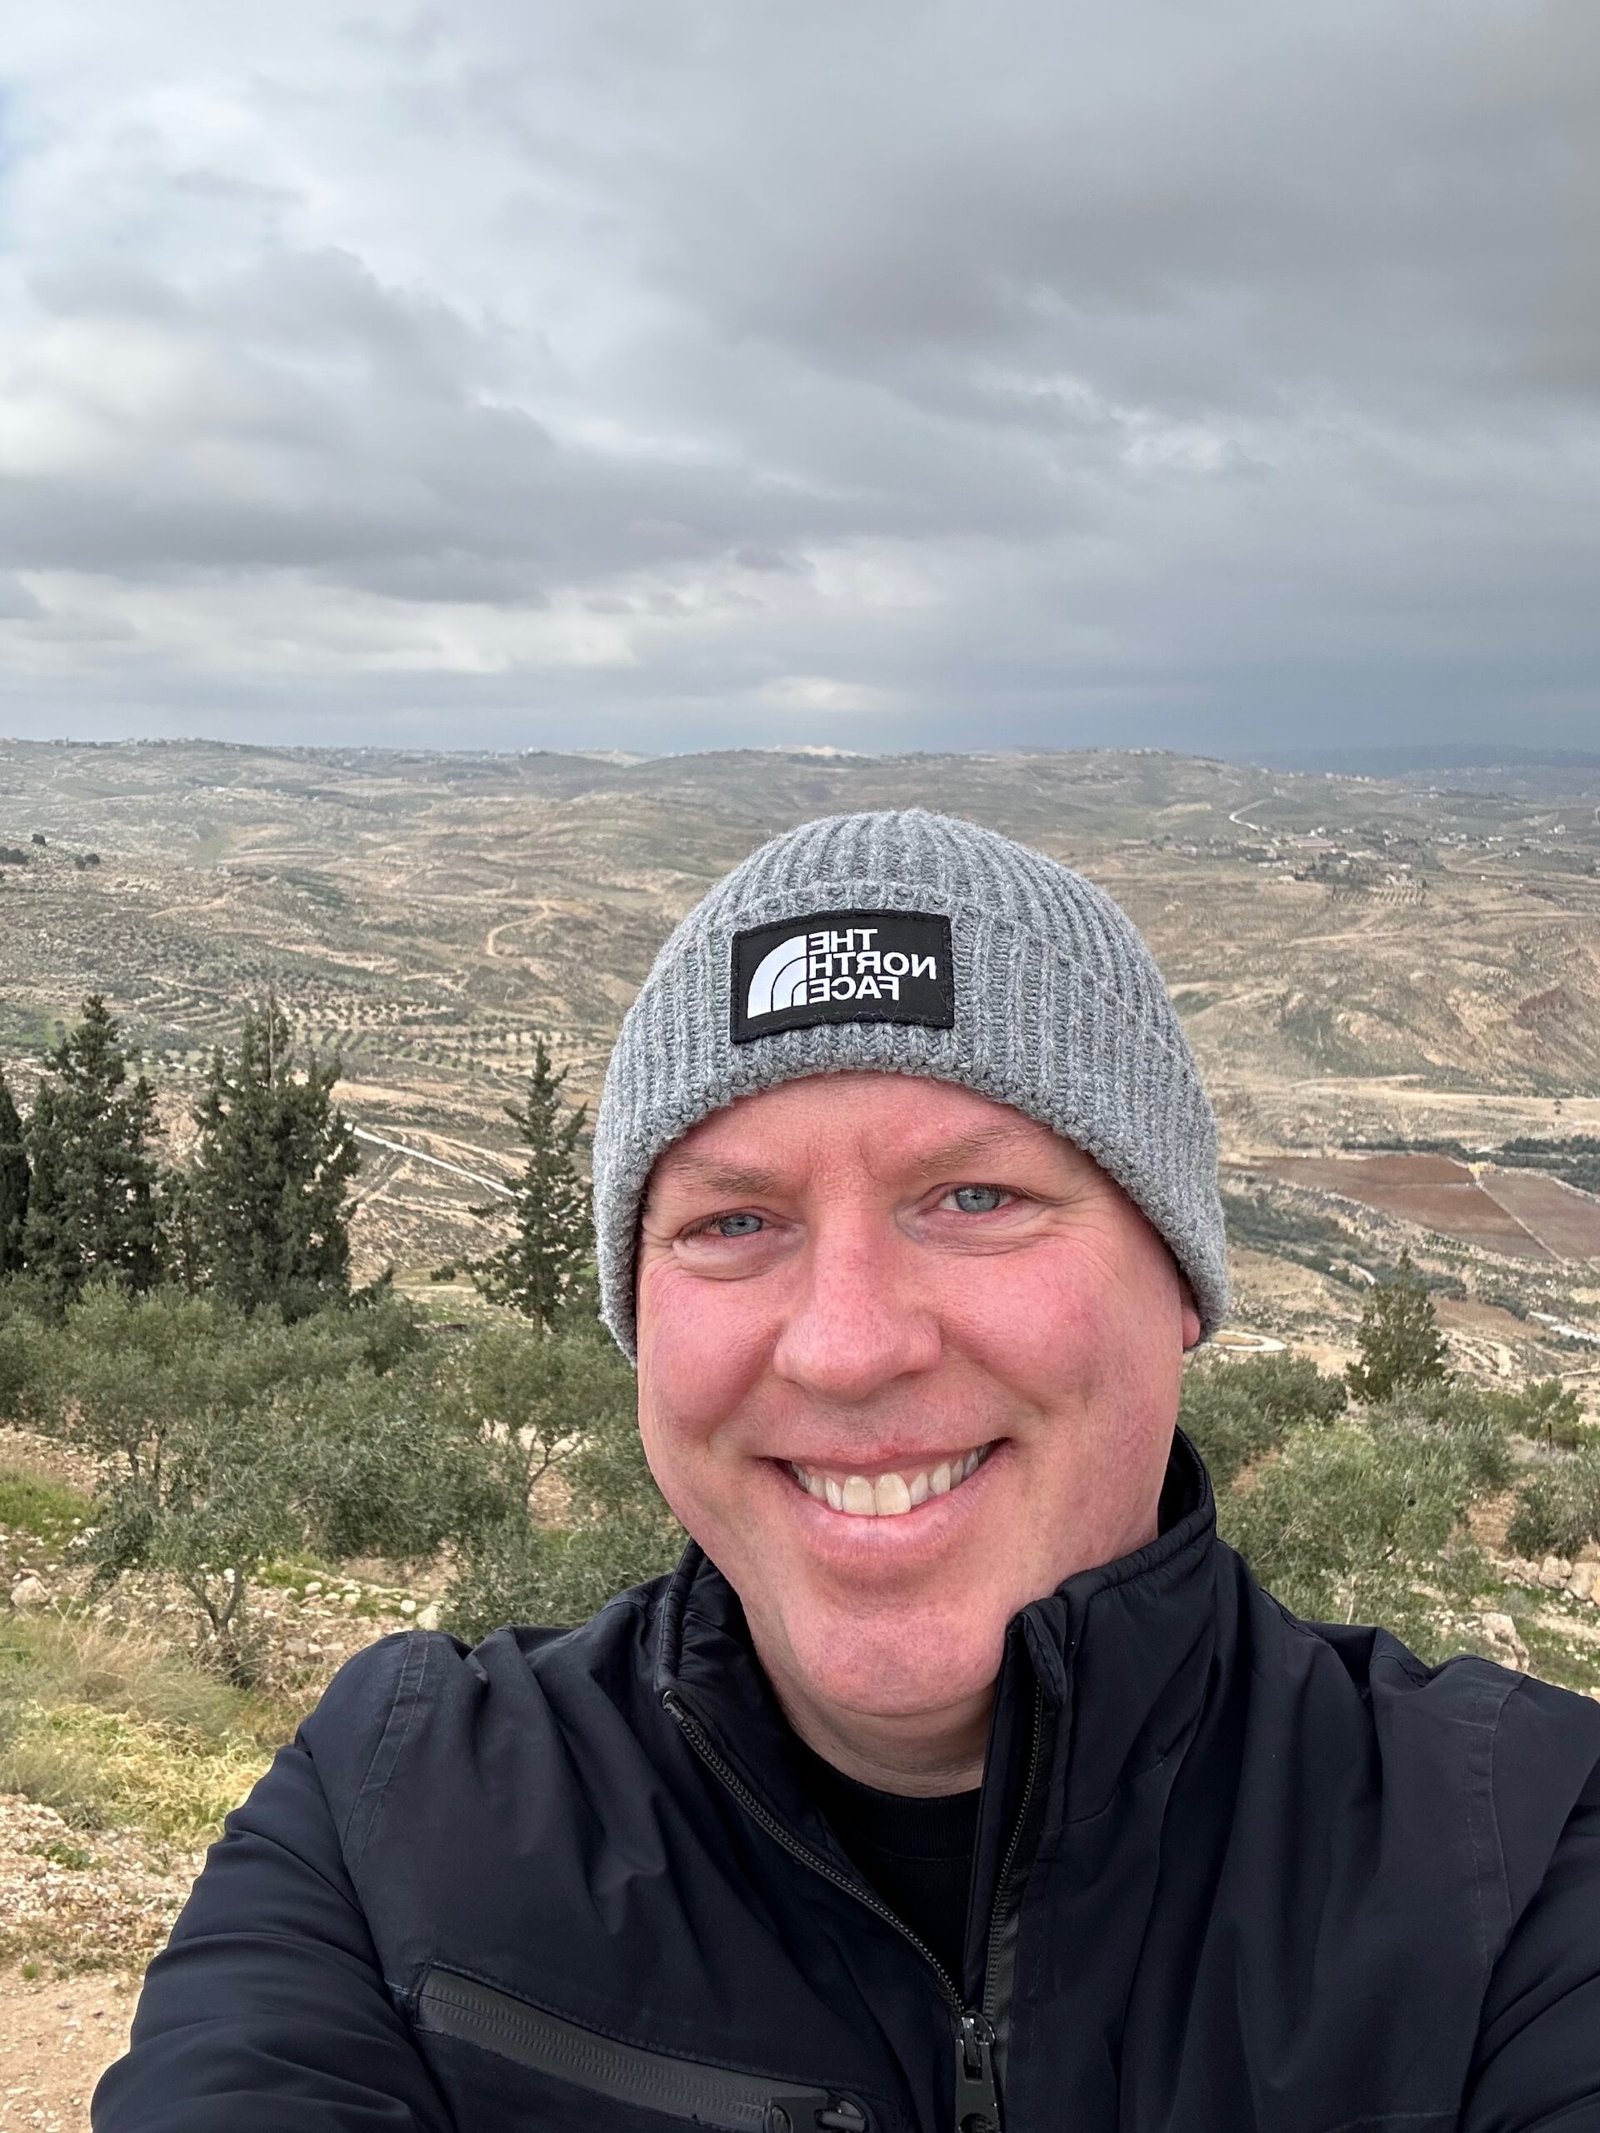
[875,372]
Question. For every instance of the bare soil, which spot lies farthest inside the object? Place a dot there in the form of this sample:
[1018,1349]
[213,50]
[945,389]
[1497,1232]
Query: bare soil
[1454,1209]
[1566,1221]
[56,2039]
[65,1893]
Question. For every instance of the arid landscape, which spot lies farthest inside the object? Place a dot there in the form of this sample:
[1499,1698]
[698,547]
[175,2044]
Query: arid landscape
[1393,988]
[1360,965]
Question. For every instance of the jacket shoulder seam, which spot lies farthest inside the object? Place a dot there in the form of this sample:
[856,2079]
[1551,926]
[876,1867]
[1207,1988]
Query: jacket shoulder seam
[391,1743]
[1482,1721]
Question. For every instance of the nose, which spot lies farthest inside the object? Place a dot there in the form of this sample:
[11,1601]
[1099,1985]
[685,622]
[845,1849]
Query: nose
[859,1318]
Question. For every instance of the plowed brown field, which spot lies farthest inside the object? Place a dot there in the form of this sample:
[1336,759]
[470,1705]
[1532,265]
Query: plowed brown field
[1565,1220]
[1430,1190]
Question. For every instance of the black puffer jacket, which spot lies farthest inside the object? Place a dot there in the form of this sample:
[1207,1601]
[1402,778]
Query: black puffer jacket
[1235,1875]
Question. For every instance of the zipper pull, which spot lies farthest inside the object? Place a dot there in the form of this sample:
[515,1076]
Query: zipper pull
[977,2095]
[808,2113]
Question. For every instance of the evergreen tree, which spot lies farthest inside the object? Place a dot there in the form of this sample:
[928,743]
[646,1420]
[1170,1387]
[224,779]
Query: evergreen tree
[180,1245]
[15,1179]
[265,1208]
[1399,1338]
[544,1269]
[92,1209]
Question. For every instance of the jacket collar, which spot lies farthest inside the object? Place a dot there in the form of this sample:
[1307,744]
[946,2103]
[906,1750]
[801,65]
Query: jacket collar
[1117,1659]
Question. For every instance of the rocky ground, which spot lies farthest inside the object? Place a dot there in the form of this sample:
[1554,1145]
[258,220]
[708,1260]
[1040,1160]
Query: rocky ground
[64,1893]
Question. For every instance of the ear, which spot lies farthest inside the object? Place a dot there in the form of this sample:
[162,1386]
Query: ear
[1190,1317]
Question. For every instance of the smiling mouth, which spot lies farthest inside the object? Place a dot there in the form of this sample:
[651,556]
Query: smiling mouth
[890,1495]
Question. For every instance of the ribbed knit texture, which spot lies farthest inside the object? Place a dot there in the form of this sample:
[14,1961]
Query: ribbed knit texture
[1060,1011]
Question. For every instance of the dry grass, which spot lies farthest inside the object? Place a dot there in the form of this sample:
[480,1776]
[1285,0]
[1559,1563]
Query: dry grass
[113,1732]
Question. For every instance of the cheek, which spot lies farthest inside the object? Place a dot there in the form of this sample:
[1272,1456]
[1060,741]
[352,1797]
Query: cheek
[1045,1323]
[701,1349]
[1094,1343]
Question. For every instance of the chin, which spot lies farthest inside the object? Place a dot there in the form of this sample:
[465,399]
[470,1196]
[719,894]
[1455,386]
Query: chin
[871,1669]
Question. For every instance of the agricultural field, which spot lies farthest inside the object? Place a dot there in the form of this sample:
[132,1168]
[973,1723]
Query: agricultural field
[1517,1213]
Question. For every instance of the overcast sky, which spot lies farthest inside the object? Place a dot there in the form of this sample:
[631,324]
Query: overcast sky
[888,373]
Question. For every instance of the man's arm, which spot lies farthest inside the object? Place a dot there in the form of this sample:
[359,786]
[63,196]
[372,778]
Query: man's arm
[268,2012]
[1538,2063]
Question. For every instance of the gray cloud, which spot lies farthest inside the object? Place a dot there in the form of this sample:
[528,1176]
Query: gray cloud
[670,371]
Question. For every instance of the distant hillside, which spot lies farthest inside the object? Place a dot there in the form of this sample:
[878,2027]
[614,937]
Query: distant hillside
[1355,959]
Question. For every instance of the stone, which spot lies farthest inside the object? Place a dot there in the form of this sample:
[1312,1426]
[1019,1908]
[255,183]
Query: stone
[30,1591]
[1554,1571]
[1505,1644]
[428,1617]
[408,1607]
[1582,1581]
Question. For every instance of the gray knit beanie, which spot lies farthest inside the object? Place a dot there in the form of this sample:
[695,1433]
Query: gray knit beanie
[911,943]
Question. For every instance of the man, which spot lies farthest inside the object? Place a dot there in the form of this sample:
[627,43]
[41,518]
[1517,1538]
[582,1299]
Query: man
[959,1778]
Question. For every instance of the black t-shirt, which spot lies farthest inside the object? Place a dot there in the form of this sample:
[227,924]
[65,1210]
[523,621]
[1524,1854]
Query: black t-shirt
[917,1853]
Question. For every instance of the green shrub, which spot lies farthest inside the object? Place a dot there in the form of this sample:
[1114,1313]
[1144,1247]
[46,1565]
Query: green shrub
[519,1572]
[384,1467]
[24,1342]
[1545,1410]
[620,1531]
[1454,1408]
[1236,1411]
[229,1438]
[1559,1510]
[1349,1520]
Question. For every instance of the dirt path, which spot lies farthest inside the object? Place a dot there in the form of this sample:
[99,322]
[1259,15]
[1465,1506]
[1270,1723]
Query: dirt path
[56,2039]
[64,1892]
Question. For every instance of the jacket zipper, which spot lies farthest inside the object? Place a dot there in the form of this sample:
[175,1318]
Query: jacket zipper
[1002,1887]
[455,2006]
[977,2089]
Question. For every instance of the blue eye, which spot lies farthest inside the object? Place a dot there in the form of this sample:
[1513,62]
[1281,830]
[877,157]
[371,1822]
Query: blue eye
[977,1199]
[736,1225]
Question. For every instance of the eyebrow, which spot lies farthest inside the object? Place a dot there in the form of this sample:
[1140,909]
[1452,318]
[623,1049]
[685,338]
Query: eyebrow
[748,1181]
[733,1179]
[997,1140]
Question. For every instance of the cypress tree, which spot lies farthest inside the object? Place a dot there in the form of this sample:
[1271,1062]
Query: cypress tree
[1398,1337]
[15,1180]
[92,1207]
[266,1200]
[542,1270]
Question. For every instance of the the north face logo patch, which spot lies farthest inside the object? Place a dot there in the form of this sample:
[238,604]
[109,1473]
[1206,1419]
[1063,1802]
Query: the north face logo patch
[843,966]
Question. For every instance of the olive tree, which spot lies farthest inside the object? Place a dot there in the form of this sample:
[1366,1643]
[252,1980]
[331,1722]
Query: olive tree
[226,1440]
[579,1399]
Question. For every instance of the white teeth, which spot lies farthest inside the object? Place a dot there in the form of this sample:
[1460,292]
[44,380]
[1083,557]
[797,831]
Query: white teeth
[891,1495]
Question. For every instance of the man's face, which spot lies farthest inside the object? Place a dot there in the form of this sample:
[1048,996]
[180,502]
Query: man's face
[866,1291]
